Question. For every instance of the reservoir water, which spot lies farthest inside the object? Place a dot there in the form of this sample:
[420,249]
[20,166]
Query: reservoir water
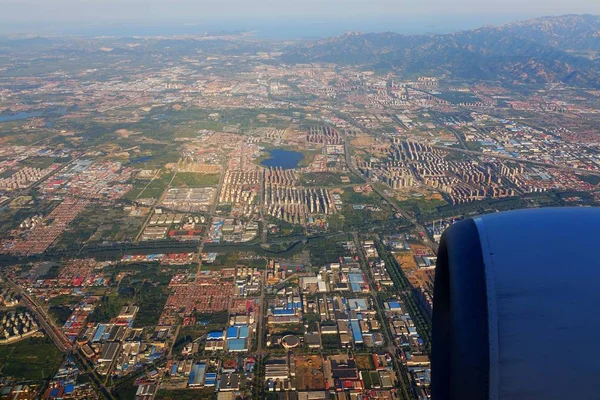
[20,116]
[284,159]
[50,114]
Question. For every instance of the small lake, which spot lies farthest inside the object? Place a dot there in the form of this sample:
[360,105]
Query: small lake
[284,159]
[141,159]
[48,113]
[20,116]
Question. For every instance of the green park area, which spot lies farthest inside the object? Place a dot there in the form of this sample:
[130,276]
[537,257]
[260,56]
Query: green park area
[456,97]
[30,359]
[371,379]
[419,205]
[591,179]
[362,211]
[60,307]
[325,250]
[328,179]
[144,189]
[204,323]
[146,286]
[41,162]
[191,179]
[100,223]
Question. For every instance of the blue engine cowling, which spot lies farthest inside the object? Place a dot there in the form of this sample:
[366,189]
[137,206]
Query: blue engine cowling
[516,307]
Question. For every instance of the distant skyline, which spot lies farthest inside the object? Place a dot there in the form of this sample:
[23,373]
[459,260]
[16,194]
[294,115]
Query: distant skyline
[299,17]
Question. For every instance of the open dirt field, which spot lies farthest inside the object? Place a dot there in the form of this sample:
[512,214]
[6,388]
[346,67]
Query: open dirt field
[309,373]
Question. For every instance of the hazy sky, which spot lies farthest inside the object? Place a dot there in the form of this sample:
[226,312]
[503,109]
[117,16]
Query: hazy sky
[15,13]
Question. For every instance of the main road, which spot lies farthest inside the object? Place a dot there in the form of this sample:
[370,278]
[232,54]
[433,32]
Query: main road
[197,258]
[209,216]
[391,345]
[157,203]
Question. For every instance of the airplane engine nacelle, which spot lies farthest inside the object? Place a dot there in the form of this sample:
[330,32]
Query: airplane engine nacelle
[516,307]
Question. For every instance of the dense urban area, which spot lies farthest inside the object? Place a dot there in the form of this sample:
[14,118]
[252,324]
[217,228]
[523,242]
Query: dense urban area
[199,217]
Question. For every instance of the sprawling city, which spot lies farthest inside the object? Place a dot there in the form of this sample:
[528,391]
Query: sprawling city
[217,216]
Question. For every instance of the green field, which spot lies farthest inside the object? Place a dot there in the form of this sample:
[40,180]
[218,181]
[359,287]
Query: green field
[154,189]
[371,379]
[331,342]
[60,307]
[327,179]
[420,206]
[191,179]
[126,389]
[151,300]
[284,228]
[591,179]
[41,162]
[147,288]
[459,97]
[372,211]
[30,359]
[324,250]
[99,223]
[110,305]
[205,323]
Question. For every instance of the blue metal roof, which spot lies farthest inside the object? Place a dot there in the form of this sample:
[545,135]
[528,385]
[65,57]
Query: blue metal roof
[99,333]
[214,335]
[236,345]
[197,374]
[232,332]
[394,304]
[243,333]
[356,333]
[283,311]
[355,304]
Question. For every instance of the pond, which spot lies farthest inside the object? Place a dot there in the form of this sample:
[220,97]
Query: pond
[141,159]
[284,159]
[47,113]
[20,116]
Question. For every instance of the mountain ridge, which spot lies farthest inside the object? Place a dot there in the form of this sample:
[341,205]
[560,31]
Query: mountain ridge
[537,51]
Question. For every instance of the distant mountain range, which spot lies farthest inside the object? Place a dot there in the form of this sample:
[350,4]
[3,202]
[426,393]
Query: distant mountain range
[535,52]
